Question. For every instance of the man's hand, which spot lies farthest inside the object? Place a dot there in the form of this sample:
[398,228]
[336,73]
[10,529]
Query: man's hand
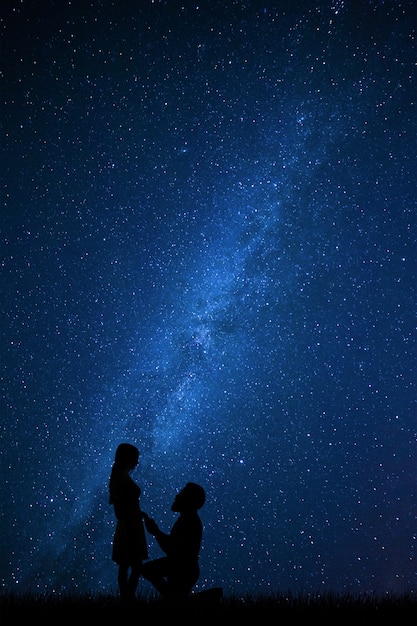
[150,524]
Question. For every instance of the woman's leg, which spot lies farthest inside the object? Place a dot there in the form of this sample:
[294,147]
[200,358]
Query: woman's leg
[122,579]
[133,580]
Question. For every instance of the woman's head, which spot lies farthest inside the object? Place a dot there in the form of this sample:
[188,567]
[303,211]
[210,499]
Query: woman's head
[127,456]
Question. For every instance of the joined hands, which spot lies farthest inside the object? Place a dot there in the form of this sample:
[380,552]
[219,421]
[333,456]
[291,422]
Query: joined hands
[150,524]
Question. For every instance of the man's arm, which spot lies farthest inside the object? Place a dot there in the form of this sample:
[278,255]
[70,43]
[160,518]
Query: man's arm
[163,539]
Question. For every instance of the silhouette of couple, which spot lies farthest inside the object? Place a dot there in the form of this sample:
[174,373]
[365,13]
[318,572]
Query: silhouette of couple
[173,575]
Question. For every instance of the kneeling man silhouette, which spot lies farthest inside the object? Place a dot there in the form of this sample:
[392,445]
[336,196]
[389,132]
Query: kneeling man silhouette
[175,574]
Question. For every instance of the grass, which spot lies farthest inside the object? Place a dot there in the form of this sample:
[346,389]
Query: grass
[364,609]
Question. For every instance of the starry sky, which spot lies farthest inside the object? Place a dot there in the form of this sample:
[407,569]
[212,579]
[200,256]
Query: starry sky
[208,249]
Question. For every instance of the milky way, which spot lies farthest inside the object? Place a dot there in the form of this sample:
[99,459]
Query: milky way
[208,250]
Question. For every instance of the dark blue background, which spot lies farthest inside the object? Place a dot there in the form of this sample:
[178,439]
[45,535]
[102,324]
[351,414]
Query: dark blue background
[208,249]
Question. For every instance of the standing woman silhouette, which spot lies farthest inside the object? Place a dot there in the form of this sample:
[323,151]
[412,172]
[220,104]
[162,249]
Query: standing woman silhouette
[129,546]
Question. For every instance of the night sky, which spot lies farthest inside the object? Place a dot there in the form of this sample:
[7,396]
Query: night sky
[208,249]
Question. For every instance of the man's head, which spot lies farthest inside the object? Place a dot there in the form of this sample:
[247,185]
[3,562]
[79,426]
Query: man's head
[190,498]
